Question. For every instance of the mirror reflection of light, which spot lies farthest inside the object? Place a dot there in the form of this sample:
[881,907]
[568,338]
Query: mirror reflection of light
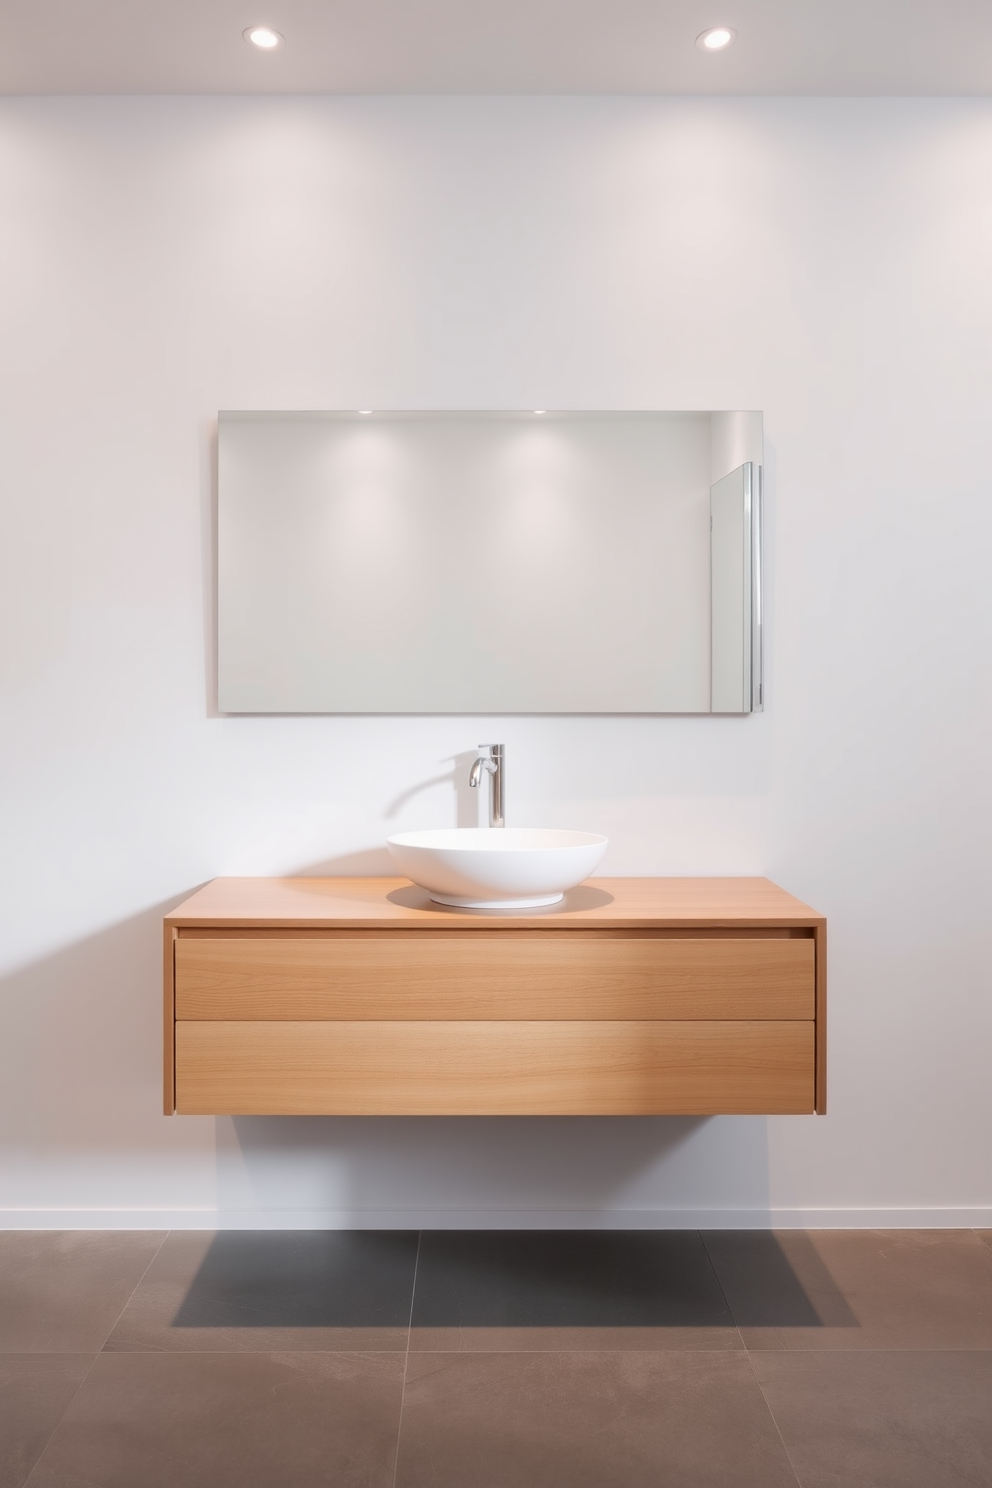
[536,513]
[366,509]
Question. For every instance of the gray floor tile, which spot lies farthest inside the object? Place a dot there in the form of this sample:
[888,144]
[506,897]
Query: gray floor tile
[229,1421]
[34,1392]
[587,1420]
[880,1419]
[61,1291]
[851,1289]
[270,1289]
[526,1290]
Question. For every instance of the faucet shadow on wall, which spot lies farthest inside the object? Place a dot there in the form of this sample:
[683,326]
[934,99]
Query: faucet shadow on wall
[375,861]
[466,800]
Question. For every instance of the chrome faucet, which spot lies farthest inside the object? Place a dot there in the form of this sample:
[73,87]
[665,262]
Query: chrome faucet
[491,764]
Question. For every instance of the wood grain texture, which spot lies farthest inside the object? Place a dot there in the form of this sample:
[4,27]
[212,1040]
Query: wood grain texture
[636,996]
[495,1068]
[370,903]
[168,1022]
[502,974]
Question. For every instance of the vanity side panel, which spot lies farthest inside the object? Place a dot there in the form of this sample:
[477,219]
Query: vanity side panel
[495,1068]
[821,1020]
[169,1021]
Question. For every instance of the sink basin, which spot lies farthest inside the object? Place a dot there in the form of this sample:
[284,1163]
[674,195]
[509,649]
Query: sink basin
[497,867]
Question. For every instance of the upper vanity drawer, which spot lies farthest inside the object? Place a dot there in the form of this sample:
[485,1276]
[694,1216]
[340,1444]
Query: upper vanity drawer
[506,974]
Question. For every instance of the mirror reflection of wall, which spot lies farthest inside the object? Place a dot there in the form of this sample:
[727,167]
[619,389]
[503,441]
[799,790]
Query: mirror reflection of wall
[486,562]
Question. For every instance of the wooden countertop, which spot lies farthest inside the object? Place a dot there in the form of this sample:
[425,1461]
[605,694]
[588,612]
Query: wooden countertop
[375,903]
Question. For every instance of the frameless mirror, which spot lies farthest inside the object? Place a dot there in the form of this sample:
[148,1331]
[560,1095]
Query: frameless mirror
[489,562]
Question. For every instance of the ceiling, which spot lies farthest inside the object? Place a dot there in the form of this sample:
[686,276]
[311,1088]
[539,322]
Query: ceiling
[784,47]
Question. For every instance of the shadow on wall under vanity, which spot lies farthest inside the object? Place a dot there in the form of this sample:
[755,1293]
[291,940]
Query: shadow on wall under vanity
[461,1170]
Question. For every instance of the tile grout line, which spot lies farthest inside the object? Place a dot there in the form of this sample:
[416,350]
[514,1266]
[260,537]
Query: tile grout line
[135,1288]
[99,1351]
[51,1435]
[750,1363]
[723,1292]
[406,1358]
[771,1414]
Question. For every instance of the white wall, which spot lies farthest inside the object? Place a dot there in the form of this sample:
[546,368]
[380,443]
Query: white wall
[826,261]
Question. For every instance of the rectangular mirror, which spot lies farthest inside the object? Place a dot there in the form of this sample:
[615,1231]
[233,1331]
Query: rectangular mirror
[489,562]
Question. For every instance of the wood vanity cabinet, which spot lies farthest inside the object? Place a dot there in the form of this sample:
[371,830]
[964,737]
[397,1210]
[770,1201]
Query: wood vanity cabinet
[637,996]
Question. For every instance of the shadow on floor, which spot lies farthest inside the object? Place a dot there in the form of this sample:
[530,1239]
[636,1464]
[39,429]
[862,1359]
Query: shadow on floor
[770,1282]
[505,1279]
[303,1279]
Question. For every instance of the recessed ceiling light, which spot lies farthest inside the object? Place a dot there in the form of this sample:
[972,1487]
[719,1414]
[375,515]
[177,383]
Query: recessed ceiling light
[263,37]
[365,410]
[716,39]
[540,410]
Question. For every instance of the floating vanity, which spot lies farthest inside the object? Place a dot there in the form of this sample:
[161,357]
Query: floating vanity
[357,996]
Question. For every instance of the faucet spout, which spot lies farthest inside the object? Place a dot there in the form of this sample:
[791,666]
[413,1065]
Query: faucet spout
[491,765]
[478,769]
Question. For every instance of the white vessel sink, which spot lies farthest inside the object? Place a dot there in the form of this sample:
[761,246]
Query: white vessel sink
[497,867]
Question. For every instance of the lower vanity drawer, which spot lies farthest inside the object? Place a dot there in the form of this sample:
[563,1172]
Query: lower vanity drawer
[504,975]
[494,1068]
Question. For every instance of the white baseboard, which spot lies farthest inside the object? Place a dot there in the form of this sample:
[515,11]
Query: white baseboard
[496,1219]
